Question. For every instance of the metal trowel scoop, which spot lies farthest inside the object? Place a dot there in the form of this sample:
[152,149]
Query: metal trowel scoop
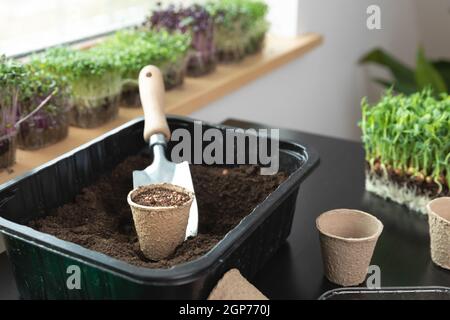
[157,133]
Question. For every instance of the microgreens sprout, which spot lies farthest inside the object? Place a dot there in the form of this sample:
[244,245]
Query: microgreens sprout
[12,78]
[134,49]
[410,134]
[90,76]
[239,23]
[41,83]
[195,21]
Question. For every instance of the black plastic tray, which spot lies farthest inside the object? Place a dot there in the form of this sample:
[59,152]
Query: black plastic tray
[420,293]
[40,261]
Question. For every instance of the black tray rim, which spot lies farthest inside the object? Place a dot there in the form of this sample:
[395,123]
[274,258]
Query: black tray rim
[342,291]
[176,275]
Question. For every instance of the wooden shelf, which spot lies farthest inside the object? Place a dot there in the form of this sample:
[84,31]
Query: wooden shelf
[193,95]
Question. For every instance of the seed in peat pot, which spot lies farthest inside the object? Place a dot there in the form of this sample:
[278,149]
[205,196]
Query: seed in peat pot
[159,197]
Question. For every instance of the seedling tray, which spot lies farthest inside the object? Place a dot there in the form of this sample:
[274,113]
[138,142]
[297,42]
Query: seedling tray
[41,261]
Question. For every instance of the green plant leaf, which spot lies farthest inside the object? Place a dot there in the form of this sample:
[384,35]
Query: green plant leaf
[403,75]
[427,75]
[443,67]
[398,86]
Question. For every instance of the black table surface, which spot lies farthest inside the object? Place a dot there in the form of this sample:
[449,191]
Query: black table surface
[296,272]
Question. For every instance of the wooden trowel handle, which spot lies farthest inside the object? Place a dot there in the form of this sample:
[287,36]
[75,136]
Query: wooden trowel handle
[151,90]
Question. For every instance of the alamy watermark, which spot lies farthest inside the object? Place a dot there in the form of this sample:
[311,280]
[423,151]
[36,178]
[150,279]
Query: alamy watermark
[231,147]
[373,21]
[73,281]
[373,281]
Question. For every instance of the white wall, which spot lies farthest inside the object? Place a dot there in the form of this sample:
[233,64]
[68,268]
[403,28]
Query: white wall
[434,26]
[321,92]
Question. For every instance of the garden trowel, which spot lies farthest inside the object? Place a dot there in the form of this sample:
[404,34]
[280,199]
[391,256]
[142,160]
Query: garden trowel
[157,133]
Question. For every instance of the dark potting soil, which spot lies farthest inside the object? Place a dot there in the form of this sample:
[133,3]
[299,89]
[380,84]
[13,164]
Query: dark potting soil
[43,130]
[89,117]
[8,148]
[230,56]
[199,67]
[130,98]
[159,197]
[173,78]
[100,218]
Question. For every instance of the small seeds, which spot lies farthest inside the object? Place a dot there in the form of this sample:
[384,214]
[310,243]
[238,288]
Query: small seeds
[159,197]
[419,177]
[376,167]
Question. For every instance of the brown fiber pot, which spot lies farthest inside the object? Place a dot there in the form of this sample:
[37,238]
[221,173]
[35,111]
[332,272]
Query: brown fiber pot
[439,221]
[233,286]
[347,238]
[160,229]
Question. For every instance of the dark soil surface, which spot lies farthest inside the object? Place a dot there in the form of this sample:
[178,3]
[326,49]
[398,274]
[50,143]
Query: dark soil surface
[105,110]
[230,56]
[159,197]
[173,78]
[130,98]
[197,68]
[43,130]
[100,218]
[8,148]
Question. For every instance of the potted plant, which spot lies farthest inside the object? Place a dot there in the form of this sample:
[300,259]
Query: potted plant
[12,74]
[229,18]
[172,54]
[196,21]
[51,123]
[427,73]
[257,26]
[134,49]
[406,139]
[95,83]
[240,27]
